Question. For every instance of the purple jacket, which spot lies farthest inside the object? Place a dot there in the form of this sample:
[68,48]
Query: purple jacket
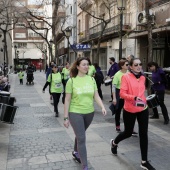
[158,76]
[113,69]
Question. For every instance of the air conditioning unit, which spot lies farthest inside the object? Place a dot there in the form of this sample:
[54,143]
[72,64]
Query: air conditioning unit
[141,18]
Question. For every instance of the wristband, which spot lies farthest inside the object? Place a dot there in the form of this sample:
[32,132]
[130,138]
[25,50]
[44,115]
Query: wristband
[65,118]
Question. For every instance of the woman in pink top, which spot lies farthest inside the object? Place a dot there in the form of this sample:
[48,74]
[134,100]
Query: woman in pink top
[132,91]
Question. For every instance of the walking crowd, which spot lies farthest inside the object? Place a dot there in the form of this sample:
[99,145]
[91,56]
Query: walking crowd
[80,85]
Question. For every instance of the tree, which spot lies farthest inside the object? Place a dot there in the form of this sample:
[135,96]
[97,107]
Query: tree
[101,11]
[7,22]
[40,24]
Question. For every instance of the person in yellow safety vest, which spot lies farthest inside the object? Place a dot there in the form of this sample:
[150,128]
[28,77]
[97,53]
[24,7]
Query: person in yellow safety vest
[21,75]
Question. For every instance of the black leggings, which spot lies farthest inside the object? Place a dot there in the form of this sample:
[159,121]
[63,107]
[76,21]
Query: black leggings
[56,98]
[129,122]
[160,94]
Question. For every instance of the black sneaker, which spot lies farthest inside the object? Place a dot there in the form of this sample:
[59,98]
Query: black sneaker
[76,156]
[147,166]
[154,117]
[134,134]
[113,147]
[118,130]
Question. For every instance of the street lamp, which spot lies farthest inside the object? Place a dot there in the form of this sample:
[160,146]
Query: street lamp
[121,4]
[50,51]
[68,34]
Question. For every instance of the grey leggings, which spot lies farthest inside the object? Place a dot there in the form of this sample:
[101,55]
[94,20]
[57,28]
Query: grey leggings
[79,123]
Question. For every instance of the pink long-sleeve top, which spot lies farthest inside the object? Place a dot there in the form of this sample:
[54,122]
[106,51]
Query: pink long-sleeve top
[132,87]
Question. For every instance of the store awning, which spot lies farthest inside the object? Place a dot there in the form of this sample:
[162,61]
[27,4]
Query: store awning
[144,33]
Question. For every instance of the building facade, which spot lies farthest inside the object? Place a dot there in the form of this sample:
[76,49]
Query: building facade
[26,34]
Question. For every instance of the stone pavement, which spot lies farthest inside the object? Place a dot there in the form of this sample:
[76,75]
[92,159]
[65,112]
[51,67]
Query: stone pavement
[38,141]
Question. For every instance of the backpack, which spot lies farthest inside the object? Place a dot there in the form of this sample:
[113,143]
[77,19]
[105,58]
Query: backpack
[99,77]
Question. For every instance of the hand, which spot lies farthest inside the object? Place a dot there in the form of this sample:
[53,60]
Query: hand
[66,123]
[138,98]
[114,101]
[43,91]
[104,112]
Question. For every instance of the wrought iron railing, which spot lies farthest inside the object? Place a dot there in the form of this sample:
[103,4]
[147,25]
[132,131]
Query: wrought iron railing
[113,26]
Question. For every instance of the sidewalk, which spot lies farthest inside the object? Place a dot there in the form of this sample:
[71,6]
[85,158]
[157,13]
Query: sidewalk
[38,141]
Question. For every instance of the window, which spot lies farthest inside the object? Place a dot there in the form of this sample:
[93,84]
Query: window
[20,4]
[34,34]
[20,35]
[79,26]
[35,2]
[22,45]
[71,10]
[20,25]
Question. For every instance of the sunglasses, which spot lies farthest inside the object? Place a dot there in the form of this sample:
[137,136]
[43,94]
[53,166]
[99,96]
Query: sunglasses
[139,64]
[127,65]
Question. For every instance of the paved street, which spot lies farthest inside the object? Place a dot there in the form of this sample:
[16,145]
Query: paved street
[38,141]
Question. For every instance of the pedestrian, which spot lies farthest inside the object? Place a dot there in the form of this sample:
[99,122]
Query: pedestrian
[49,71]
[55,82]
[158,88]
[117,101]
[21,76]
[81,90]
[98,76]
[129,57]
[132,90]
[112,71]
[92,69]
[65,77]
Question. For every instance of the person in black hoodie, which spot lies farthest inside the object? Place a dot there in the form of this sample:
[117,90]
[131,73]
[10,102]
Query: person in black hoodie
[99,79]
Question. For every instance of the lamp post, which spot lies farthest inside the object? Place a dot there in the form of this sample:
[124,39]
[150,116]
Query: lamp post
[68,34]
[50,50]
[121,4]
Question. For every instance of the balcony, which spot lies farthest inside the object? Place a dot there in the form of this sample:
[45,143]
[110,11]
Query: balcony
[113,26]
[84,35]
[84,4]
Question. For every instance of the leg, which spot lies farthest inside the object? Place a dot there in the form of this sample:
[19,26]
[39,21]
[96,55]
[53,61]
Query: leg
[100,91]
[21,81]
[63,97]
[56,98]
[161,95]
[118,112]
[129,122]
[111,92]
[80,123]
[142,118]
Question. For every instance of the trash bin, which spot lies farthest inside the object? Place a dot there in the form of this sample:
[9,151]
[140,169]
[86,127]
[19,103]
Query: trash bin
[4,97]
[7,112]
[11,101]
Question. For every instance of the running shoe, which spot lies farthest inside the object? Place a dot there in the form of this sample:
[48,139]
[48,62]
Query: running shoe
[113,147]
[76,156]
[118,130]
[134,134]
[147,166]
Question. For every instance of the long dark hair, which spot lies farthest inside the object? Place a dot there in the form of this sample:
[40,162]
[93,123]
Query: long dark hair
[152,63]
[73,69]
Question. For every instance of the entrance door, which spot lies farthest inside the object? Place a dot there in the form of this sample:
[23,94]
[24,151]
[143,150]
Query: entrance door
[158,56]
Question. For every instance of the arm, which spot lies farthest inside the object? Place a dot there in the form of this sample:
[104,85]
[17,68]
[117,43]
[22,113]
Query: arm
[114,94]
[124,90]
[99,102]
[66,109]
[45,86]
